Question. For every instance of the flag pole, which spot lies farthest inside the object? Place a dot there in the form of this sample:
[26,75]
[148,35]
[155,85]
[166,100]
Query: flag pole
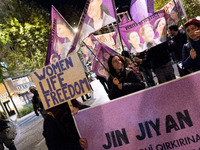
[182,22]
[97,58]
[117,24]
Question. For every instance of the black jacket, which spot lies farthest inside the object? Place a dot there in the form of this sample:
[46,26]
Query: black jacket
[130,83]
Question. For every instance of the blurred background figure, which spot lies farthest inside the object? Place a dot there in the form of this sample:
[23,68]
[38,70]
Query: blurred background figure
[37,104]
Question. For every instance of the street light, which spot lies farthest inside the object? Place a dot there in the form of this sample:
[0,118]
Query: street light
[75,30]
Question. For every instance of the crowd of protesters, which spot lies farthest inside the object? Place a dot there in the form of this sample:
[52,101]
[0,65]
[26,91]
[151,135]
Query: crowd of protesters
[178,49]
[128,73]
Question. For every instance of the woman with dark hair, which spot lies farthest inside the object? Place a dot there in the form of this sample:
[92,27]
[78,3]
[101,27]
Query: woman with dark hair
[99,14]
[123,80]
[191,51]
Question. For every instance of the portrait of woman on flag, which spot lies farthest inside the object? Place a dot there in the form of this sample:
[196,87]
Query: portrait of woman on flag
[99,14]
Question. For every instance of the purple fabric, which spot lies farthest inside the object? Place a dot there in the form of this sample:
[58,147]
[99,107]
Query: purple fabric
[63,42]
[103,53]
[169,114]
[87,25]
[153,20]
[141,9]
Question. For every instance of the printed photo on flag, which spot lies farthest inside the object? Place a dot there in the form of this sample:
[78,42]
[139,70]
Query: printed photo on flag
[100,13]
[146,34]
[61,39]
[173,11]
[96,14]
[103,53]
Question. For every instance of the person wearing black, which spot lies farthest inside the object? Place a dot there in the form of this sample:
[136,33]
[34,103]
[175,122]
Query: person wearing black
[160,60]
[191,51]
[145,68]
[178,39]
[4,139]
[122,80]
[37,104]
[59,128]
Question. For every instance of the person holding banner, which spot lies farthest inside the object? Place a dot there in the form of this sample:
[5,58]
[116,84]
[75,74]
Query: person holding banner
[59,128]
[122,80]
[99,14]
[191,51]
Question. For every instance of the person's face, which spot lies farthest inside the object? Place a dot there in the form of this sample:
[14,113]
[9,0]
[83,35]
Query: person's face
[116,63]
[94,8]
[174,15]
[191,32]
[62,31]
[54,60]
[148,34]
[134,39]
[106,55]
[161,27]
[102,72]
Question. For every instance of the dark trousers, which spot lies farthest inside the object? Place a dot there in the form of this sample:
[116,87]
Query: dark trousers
[165,73]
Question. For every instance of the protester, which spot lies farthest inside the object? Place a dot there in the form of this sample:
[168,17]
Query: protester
[128,63]
[4,139]
[145,68]
[99,14]
[160,59]
[147,33]
[160,27]
[59,128]
[178,39]
[191,51]
[122,80]
[37,104]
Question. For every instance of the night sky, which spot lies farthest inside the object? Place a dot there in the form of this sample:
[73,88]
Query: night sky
[123,5]
[78,5]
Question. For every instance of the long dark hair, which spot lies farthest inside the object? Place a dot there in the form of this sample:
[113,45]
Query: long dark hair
[110,66]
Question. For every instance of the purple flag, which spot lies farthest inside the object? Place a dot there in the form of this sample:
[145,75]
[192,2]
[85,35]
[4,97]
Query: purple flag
[141,9]
[61,38]
[96,14]
[103,53]
[146,34]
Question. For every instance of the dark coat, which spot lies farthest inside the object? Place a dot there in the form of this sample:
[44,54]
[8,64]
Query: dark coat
[187,61]
[130,83]
[59,128]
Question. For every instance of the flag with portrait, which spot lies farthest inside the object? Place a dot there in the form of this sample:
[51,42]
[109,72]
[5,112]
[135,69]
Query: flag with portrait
[148,33]
[174,11]
[96,14]
[60,39]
